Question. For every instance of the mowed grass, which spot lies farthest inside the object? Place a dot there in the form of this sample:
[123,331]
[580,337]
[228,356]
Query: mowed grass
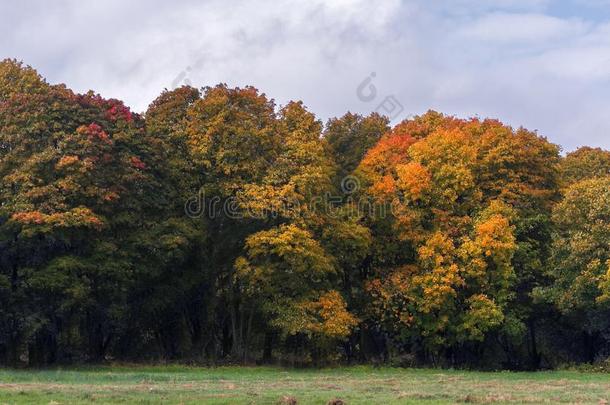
[266,385]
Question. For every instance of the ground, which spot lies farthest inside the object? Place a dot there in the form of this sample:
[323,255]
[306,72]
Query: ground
[257,385]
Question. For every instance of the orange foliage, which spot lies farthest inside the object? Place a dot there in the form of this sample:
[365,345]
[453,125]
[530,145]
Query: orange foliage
[488,234]
[413,179]
[76,217]
[332,318]
[29,217]
[94,132]
[390,151]
[66,161]
[137,163]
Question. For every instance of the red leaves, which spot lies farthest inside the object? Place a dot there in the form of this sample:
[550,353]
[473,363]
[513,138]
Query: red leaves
[95,133]
[110,196]
[118,111]
[389,151]
[137,163]
[114,109]
[29,217]
[76,217]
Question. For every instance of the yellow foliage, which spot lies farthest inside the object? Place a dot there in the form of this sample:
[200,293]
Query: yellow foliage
[413,179]
[330,316]
[66,161]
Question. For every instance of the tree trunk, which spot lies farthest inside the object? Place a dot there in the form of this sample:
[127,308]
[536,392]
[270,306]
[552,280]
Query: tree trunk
[268,348]
[534,355]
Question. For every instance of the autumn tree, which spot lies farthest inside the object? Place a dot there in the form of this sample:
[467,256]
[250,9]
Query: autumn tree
[585,163]
[581,264]
[290,268]
[78,198]
[456,189]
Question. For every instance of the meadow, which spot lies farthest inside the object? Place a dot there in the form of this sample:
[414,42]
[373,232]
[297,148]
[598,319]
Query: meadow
[269,385]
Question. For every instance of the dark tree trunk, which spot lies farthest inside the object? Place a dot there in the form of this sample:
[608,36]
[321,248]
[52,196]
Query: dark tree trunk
[268,348]
[534,355]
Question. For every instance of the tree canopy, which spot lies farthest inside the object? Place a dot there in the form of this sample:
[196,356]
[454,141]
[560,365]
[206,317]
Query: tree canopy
[220,227]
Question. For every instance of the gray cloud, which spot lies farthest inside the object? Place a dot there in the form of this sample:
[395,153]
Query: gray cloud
[526,62]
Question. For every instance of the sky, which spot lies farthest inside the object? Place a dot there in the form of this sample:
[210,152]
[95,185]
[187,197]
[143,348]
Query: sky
[540,64]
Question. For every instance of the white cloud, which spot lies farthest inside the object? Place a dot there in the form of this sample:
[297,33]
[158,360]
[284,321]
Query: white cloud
[529,28]
[586,64]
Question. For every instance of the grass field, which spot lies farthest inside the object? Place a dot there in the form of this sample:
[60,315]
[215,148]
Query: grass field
[262,385]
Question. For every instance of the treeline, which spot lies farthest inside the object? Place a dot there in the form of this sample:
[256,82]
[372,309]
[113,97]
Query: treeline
[220,228]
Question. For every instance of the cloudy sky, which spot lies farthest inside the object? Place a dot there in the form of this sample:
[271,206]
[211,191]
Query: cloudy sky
[542,64]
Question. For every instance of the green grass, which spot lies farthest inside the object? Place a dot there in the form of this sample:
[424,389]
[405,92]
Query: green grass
[266,385]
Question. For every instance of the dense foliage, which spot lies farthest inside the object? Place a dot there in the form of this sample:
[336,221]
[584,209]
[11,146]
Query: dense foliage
[218,227]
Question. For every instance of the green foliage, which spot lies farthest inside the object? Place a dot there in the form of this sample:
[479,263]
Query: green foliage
[582,245]
[349,137]
[585,163]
